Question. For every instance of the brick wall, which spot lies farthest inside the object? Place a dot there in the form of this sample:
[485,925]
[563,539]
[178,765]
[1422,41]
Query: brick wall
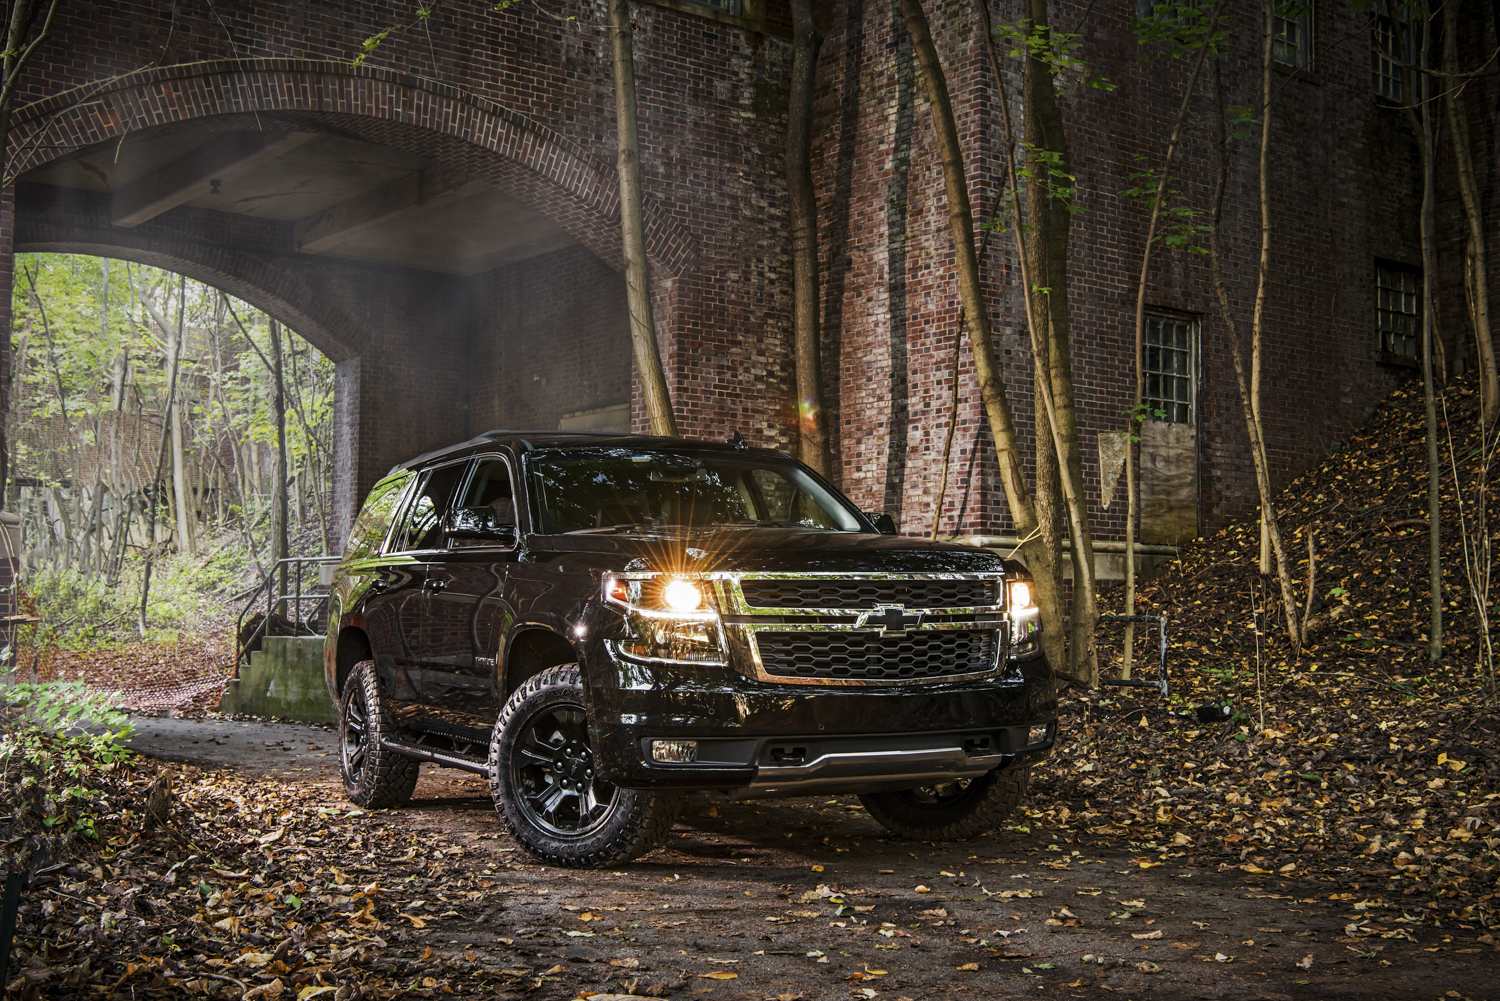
[526,102]
[1343,193]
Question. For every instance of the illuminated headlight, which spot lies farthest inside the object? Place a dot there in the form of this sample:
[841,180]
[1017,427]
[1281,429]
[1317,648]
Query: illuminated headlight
[678,752]
[1025,621]
[668,619]
[1020,596]
[681,595]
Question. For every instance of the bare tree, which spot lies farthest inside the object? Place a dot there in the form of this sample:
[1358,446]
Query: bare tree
[1249,383]
[1132,471]
[633,227]
[1023,507]
[812,424]
[1476,264]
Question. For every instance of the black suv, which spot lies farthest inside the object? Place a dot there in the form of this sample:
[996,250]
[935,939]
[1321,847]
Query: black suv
[603,623]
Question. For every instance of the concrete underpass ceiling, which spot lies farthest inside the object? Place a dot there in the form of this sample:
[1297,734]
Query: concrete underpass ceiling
[344,198]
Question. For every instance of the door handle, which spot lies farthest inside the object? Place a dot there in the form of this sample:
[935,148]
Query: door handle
[434,584]
[380,584]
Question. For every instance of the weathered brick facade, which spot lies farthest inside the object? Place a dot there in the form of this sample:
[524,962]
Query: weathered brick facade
[525,102]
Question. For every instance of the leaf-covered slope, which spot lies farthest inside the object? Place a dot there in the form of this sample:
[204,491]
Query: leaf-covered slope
[1360,764]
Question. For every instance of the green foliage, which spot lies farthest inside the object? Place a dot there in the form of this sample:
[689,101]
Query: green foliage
[1178,29]
[1179,226]
[1139,414]
[62,728]
[1057,49]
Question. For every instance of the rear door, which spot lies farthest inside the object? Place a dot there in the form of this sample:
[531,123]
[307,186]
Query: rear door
[406,592]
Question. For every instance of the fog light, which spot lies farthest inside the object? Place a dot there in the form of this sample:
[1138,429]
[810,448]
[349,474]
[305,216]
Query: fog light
[676,751]
[1037,734]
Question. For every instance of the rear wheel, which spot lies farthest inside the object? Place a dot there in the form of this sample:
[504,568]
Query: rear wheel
[963,809]
[546,787]
[375,777]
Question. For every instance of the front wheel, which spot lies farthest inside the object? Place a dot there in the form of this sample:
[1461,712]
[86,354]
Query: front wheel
[963,809]
[546,787]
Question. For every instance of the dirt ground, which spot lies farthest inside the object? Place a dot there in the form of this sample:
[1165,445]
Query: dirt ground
[810,897]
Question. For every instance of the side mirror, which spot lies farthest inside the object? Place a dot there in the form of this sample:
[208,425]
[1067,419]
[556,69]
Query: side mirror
[884,524]
[479,525]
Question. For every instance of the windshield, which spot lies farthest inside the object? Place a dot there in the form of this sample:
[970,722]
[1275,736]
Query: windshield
[625,489]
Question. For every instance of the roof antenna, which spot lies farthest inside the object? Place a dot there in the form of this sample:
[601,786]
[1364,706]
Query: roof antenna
[738,441]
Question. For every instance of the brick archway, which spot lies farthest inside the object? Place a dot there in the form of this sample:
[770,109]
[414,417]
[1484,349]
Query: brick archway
[535,164]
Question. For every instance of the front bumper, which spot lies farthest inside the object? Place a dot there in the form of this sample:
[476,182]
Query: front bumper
[765,739]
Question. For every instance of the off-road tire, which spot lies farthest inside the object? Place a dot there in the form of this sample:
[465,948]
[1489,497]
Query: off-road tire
[375,777]
[978,808]
[540,752]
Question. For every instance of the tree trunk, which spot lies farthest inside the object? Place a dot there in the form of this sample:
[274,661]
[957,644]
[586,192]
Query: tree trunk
[633,227]
[278,461]
[1420,118]
[1132,472]
[1477,278]
[1242,379]
[1047,248]
[186,540]
[991,387]
[812,423]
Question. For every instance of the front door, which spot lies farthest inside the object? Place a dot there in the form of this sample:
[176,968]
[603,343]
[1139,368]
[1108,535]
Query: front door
[467,582]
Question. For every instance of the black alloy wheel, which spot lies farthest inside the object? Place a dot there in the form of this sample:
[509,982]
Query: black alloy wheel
[547,788]
[552,771]
[375,777]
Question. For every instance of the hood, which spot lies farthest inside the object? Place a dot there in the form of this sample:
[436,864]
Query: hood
[772,549]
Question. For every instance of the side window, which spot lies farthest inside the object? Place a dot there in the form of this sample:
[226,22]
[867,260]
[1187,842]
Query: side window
[421,527]
[490,488]
[375,516]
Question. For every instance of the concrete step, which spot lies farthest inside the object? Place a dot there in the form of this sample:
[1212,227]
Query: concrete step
[284,679]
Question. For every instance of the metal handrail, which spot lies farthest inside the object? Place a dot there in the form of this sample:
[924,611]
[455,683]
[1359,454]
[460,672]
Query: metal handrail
[1160,682]
[278,602]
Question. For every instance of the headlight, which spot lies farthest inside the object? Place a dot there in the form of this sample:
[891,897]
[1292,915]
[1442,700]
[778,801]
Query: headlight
[1025,622]
[681,595]
[667,620]
[1020,595]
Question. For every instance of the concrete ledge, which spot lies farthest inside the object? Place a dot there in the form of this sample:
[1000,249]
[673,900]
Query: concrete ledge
[1109,555]
[284,679]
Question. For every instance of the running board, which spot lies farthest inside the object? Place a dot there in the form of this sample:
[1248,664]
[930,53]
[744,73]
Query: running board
[448,758]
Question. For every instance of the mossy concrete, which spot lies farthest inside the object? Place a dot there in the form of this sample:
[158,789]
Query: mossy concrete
[283,679]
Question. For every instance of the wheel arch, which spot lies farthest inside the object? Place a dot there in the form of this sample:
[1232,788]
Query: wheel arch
[353,647]
[531,651]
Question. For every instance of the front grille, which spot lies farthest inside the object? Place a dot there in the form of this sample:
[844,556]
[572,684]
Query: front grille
[870,656]
[866,594]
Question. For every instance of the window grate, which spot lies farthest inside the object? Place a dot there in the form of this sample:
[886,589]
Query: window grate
[1398,309]
[1171,347]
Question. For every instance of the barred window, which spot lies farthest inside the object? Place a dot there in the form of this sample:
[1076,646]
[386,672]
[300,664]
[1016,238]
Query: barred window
[1292,24]
[1398,309]
[1390,44]
[1171,366]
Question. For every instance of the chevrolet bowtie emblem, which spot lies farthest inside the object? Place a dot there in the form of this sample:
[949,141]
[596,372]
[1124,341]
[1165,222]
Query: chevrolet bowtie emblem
[888,618]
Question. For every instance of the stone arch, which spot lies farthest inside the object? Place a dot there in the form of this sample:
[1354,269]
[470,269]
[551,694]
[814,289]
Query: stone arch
[271,289]
[548,171]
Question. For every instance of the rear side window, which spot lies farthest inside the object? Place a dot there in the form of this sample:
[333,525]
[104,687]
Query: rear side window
[374,519]
[422,524]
